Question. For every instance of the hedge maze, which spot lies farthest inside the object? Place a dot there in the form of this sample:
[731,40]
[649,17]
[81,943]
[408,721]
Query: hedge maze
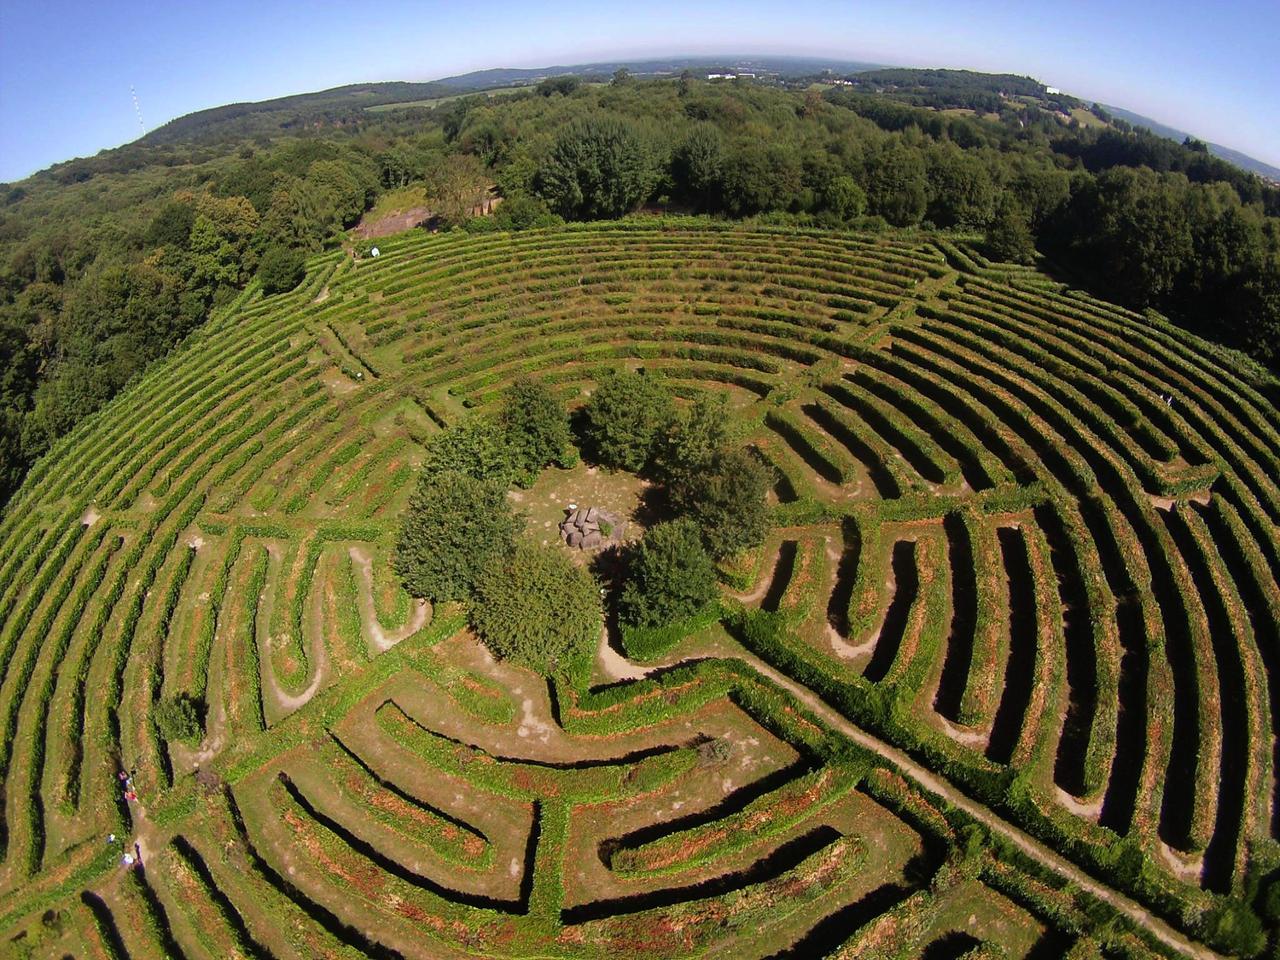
[1020,596]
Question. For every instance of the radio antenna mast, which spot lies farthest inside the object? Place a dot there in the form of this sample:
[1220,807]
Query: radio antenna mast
[137,109]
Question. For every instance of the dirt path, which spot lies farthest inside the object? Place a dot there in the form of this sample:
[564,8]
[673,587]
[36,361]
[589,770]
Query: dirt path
[613,664]
[284,702]
[766,579]
[930,782]
[374,633]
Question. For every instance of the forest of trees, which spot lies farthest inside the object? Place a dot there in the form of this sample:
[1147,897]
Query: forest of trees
[107,262]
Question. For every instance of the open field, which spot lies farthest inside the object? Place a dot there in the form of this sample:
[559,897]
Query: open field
[1025,555]
[437,101]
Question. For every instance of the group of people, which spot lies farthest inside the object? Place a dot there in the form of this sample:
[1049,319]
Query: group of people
[126,784]
[134,859]
[128,860]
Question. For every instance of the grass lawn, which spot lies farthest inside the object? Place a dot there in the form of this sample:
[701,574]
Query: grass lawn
[436,101]
[397,201]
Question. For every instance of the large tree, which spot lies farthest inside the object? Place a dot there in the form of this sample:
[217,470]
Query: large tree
[671,577]
[727,500]
[600,167]
[458,185]
[456,527]
[537,428]
[692,438]
[895,182]
[536,608]
[625,418]
[281,269]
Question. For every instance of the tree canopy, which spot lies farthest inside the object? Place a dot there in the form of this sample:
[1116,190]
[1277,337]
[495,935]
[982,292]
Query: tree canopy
[536,427]
[727,500]
[670,576]
[626,417]
[600,166]
[455,527]
[536,608]
[281,269]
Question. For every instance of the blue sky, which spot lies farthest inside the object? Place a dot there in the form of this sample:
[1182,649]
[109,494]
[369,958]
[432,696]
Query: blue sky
[66,68]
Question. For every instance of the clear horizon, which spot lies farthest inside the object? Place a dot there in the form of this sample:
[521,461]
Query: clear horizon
[66,72]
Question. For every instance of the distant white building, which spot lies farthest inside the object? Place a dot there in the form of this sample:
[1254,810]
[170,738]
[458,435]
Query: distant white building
[1051,90]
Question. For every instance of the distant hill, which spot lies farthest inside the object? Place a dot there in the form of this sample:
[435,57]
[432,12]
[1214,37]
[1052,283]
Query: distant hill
[346,105]
[339,106]
[289,113]
[1241,160]
[783,67]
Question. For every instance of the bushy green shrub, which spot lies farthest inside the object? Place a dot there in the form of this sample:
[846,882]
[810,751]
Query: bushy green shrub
[455,528]
[178,718]
[647,644]
[1233,928]
[537,609]
[281,269]
[536,427]
[522,212]
[625,418]
[478,447]
[670,577]
[693,438]
[727,500]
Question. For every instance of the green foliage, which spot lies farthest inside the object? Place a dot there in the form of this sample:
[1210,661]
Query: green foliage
[759,176]
[178,718]
[960,191]
[281,269]
[1008,236]
[896,186]
[455,528]
[727,500]
[477,447]
[457,185]
[844,198]
[1231,927]
[670,576]
[646,644]
[697,168]
[600,167]
[693,438]
[537,609]
[626,417]
[537,428]
[522,212]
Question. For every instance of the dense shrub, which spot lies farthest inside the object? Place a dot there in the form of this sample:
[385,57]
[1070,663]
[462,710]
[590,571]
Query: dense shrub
[537,609]
[1234,929]
[455,528]
[281,269]
[626,417]
[693,438]
[178,718]
[671,577]
[536,427]
[478,447]
[727,500]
